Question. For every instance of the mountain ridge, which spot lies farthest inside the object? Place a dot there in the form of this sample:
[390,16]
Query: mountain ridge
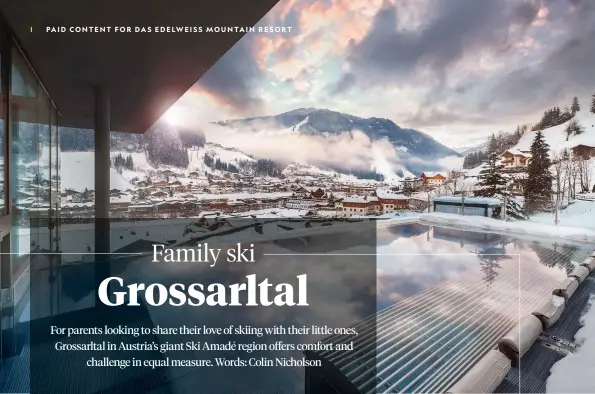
[325,122]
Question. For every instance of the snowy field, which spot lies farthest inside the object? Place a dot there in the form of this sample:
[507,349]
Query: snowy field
[574,373]
[78,172]
[526,229]
[580,214]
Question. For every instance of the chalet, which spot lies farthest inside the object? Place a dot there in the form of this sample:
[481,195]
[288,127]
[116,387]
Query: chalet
[515,158]
[584,151]
[300,191]
[431,178]
[359,205]
[160,184]
[317,193]
[412,181]
[391,201]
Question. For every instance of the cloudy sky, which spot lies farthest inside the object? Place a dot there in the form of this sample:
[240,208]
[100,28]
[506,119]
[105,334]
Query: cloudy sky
[456,69]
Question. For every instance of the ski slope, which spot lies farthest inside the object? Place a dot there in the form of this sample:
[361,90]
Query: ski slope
[78,172]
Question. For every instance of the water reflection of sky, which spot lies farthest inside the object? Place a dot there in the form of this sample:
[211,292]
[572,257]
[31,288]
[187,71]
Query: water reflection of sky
[414,257]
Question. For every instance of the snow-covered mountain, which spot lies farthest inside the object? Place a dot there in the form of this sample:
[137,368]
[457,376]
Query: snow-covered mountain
[366,148]
[465,150]
[326,123]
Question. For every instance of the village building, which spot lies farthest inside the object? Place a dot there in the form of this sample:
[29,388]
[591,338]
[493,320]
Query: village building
[584,151]
[413,182]
[392,202]
[358,190]
[356,205]
[297,203]
[515,158]
[431,178]
[120,203]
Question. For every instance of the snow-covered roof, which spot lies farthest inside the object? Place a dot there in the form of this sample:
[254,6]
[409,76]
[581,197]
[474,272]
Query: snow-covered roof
[388,194]
[517,152]
[120,199]
[355,199]
[431,174]
[468,200]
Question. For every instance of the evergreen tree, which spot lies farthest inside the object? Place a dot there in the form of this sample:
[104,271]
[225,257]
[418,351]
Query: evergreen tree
[407,189]
[492,144]
[491,180]
[538,189]
[593,105]
[575,107]
[518,133]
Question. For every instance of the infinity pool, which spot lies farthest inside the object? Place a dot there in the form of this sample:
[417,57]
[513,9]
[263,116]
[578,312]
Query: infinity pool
[429,302]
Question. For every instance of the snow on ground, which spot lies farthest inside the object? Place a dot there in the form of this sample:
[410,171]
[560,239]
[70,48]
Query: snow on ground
[556,136]
[580,214]
[139,159]
[532,229]
[78,172]
[574,373]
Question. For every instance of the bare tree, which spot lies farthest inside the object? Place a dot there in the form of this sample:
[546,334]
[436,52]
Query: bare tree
[572,170]
[455,184]
[585,173]
[560,172]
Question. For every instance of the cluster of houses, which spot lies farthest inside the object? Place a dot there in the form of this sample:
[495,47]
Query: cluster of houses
[169,199]
[169,194]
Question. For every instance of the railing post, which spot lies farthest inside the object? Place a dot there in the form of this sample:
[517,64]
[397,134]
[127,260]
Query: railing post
[463,204]
[556,210]
[505,208]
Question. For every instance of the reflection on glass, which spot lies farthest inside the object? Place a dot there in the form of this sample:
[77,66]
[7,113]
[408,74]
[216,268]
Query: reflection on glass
[30,170]
[54,237]
[2,189]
